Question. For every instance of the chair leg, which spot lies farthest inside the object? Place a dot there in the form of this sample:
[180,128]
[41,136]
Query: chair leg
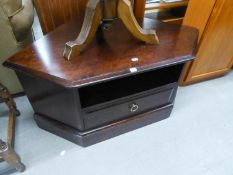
[11,129]
[13,112]
[6,152]
[11,157]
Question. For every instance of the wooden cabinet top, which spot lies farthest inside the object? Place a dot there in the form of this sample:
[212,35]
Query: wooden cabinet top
[114,53]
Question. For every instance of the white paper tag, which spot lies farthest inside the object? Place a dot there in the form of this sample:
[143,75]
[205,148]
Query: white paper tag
[133,69]
[134,59]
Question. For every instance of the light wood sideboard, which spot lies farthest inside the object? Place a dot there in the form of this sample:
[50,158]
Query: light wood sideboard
[214,20]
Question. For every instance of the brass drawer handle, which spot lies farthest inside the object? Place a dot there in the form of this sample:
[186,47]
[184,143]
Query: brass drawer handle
[133,107]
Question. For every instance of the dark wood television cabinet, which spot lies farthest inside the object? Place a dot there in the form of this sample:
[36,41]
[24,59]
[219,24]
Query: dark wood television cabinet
[117,85]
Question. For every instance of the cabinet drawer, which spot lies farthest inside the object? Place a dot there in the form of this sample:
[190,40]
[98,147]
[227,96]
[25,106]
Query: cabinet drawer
[129,106]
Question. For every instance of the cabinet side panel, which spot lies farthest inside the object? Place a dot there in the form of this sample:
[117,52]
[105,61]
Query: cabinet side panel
[53,101]
[215,52]
[198,13]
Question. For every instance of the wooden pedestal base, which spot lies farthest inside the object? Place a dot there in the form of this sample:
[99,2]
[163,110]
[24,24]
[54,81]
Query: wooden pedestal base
[104,12]
[94,136]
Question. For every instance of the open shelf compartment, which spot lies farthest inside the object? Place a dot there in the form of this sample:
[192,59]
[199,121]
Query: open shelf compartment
[127,86]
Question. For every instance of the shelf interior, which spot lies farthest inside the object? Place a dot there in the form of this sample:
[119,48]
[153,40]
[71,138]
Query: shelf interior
[123,87]
[173,15]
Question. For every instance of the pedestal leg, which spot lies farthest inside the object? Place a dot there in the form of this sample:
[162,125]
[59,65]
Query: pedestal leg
[125,12]
[91,23]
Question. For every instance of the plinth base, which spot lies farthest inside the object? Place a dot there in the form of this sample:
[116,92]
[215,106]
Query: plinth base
[100,134]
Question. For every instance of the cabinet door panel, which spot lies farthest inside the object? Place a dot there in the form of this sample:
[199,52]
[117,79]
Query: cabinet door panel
[215,52]
[198,13]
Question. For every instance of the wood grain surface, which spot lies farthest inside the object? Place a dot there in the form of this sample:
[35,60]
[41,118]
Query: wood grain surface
[53,13]
[215,50]
[109,56]
[198,18]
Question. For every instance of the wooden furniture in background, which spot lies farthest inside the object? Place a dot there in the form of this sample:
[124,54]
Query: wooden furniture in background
[198,13]
[103,13]
[171,12]
[119,85]
[139,9]
[214,20]
[53,13]
[166,5]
